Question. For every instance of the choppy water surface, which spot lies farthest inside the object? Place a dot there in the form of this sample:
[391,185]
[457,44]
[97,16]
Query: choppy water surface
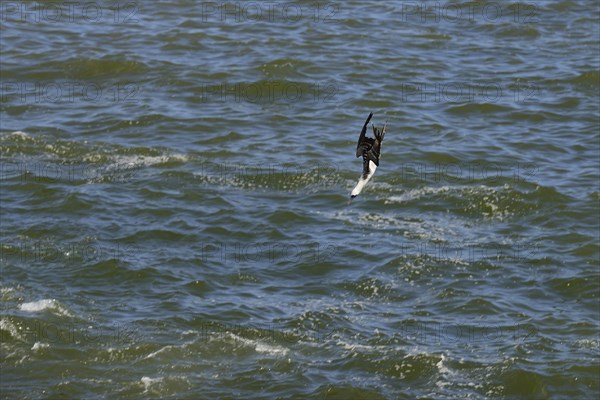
[175,217]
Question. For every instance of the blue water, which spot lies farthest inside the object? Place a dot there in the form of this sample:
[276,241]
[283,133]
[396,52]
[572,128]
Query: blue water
[174,190]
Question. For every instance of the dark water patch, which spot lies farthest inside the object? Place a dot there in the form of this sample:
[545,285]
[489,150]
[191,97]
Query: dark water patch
[84,69]
[477,109]
[149,235]
[527,32]
[339,392]
[575,288]
[588,79]
[225,138]
[521,382]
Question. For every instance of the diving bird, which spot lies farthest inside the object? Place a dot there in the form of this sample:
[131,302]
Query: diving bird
[369,149]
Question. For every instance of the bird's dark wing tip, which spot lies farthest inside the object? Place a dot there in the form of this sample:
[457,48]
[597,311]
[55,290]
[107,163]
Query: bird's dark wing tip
[362,138]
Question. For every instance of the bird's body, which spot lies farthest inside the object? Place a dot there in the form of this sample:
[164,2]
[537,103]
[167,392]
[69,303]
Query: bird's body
[369,149]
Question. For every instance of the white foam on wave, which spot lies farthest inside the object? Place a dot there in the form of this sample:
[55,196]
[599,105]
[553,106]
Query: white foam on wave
[149,382]
[588,343]
[39,345]
[365,348]
[20,134]
[482,199]
[157,352]
[414,229]
[8,326]
[125,166]
[168,348]
[415,194]
[260,347]
[442,368]
[44,304]
[6,292]
[40,305]
[458,379]
[272,350]
[147,161]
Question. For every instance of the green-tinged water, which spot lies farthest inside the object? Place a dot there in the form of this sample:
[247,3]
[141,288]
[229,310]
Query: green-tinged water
[174,186]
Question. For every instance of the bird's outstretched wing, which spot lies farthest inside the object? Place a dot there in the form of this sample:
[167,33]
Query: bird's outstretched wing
[374,152]
[379,133]
[364,143]
[370,148]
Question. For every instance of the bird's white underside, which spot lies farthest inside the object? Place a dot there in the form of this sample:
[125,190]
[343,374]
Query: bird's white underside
[363,181]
